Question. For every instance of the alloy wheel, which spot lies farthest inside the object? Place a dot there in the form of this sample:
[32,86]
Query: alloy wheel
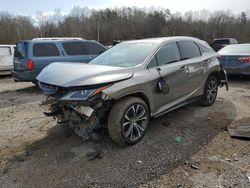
[135,122]
[212,91]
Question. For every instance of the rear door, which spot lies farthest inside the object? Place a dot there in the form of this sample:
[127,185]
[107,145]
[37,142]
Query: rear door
[195,63]
[45,53]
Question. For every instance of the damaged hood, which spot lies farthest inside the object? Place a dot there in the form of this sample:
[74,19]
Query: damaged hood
[79,74]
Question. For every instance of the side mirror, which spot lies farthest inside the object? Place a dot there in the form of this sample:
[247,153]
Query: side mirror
[163,86]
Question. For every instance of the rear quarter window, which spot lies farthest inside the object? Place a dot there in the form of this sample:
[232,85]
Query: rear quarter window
[189,49]
[204,49]
[45,49]
[93,48]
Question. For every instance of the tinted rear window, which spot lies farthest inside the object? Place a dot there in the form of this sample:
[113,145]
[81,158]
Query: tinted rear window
[188,49]
[82,48]
[5,51]
[20,50]
[223,41]
[45,49]
[74,48]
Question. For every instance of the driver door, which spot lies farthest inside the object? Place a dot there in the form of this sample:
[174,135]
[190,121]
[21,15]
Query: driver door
[174,72]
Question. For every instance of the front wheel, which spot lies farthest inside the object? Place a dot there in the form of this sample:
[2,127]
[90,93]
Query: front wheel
[210,92]
[128,121]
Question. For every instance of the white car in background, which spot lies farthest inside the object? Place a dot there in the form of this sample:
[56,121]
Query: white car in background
[6,58]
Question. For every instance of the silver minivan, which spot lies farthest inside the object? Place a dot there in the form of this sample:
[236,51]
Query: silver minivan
[6,58]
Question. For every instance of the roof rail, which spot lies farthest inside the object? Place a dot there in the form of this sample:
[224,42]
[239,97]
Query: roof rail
[58,38]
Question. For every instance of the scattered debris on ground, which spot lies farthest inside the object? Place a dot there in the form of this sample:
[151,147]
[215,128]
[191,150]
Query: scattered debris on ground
[240,132]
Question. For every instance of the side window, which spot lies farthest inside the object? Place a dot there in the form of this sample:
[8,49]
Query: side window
[169,53]
[204,49]
[5,51]
[20,50]
[152,63]
[93,48]
[189,49]
[74,48]
[45,49]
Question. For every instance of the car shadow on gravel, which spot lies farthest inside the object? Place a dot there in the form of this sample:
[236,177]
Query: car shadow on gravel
[27,90]
[30,90]
[239,81]
[58,160]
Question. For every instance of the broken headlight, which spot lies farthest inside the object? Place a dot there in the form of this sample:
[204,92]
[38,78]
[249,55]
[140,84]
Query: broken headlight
[47,88]
[83,94]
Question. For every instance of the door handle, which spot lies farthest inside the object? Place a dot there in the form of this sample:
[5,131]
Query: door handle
[207,61]
[185,68]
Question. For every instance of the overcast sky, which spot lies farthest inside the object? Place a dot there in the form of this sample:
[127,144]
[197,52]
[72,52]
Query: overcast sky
[30,7]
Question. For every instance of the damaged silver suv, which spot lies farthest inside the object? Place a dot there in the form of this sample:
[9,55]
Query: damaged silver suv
[131,82]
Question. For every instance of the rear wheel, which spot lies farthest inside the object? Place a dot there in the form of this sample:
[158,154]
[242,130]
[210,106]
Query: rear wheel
[211,90]
[128,121]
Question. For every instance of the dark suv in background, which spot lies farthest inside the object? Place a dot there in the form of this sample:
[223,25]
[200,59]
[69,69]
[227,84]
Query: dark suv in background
[31,56]
[219,43]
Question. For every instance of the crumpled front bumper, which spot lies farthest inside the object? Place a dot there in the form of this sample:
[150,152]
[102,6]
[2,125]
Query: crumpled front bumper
[83,117]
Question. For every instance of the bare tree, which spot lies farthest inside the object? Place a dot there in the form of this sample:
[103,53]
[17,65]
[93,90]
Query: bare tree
[125,23]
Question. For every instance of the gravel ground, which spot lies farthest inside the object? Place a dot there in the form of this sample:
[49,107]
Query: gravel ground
[185,148]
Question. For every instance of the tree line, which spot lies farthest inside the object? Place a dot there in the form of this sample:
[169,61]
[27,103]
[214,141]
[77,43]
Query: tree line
[125,23]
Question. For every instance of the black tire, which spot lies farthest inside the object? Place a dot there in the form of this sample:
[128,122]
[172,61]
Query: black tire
[119,125]
[210,91]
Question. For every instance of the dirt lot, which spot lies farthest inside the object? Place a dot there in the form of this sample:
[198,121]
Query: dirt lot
[189,147]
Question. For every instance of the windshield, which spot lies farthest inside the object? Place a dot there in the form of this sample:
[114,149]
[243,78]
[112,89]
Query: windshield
[125,54]
[238,48]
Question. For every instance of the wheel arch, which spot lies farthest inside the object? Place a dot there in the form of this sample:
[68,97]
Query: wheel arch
[204,101]
[216,74]
[138,94]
